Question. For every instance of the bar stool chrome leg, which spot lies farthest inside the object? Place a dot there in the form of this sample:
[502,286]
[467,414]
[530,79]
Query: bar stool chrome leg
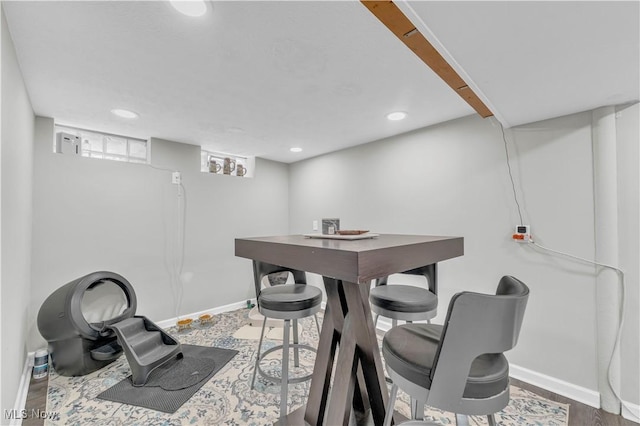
[296,352]
[417,409]
[315,317]
[284,386]
[462,420]
[392,402]
[283,379]
[255,367]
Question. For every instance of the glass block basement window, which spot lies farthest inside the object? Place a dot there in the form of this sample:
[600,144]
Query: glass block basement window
[107,146]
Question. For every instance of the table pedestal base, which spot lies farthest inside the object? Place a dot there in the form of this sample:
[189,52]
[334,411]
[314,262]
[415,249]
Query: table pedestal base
[358,380]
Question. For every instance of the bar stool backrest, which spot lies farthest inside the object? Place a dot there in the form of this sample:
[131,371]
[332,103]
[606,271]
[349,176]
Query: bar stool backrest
[261,270]
[476,324]
[428,271]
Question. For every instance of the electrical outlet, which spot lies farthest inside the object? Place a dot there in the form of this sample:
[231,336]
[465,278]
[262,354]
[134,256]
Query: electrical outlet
[315,225]
[522,234]
[176,178]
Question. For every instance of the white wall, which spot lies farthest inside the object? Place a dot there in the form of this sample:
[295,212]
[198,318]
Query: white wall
[17,157]
[174,155]
[92,214]
[452,179]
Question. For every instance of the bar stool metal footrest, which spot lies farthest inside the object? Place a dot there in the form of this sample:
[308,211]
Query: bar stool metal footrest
[279,379]
[278,348]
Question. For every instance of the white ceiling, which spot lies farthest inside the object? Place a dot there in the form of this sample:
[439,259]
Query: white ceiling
[256,78]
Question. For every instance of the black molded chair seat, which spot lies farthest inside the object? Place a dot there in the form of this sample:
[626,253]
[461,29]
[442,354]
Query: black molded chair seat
[410,350]
[288,298]
[403,298]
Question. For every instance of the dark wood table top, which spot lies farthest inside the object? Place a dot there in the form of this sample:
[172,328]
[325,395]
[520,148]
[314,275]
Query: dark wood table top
[357,261]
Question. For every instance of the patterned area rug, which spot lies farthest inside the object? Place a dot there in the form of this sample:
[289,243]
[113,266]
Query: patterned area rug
[227,399]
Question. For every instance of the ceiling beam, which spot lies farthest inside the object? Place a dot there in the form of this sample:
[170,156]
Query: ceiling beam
[397,22]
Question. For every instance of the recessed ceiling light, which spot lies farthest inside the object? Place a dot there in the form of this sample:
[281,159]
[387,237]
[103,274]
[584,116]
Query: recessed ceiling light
[295,149]
[124,113]
[395,116]
[193,8]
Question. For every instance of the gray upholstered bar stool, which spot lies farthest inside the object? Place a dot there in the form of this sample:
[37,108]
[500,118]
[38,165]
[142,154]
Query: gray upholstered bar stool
[406,302]
[459,366]
[288,302]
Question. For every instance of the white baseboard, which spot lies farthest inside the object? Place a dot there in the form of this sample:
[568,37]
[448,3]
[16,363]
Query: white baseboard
[630,411]
[220,309]
[23,390]
[569,390]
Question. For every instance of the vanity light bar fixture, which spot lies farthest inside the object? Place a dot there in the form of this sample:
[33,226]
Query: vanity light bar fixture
[396,21]
[295,149]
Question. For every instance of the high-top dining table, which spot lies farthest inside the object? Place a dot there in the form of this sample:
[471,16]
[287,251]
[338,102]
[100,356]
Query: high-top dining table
[347,267]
